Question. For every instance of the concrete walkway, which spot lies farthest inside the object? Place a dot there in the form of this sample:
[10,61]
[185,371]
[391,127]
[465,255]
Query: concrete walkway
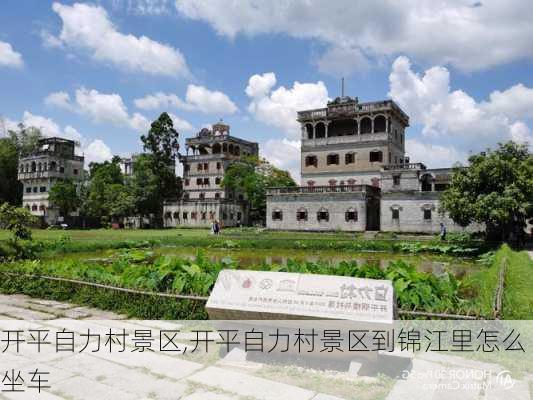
[156,375]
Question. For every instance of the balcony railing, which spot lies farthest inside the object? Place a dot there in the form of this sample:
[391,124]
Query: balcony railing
[322,189]
[391,167]
[365,137]
[332,110]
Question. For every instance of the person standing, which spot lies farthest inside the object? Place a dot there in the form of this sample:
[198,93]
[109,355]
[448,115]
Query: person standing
[442,231]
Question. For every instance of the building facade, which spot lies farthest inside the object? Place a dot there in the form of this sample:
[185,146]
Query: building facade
[204,200]
[356,177]
[54,160]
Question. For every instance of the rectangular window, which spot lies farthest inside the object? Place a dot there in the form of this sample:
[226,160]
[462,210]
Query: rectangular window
[219,165]
[35,189]
[42,189]
[28,189]
[185,215]
[441,187]
[333,159]
[349,158]
[199,181]
[187,182]
[206,167]
[396,214]
[351,216]
[62,169]
[199,167]
[396,180]
[75,171]
[206,181]
[301,215]
[427,215]
[277,215]
[322,216]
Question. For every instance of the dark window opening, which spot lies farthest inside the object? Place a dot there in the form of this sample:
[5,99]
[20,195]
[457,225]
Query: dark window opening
[185,215]
[311,161]
[322,215]
[441,187]
[42,189]
[217,195]
[301,215]
[187,182]
[75,172]
[396,180]
[427,215]
[351,216]
[376,156]
[349,158]
[206,181]
[380,124]
[202,196]
[333,159]
[219,165]
[62,169]
[366,125]
[277,215]
[395,214]
[344,127]
[176,215]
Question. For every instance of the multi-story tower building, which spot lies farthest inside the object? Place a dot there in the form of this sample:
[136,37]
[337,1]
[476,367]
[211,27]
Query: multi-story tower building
[53,160]
[348,142]
[204,200]
[356,176]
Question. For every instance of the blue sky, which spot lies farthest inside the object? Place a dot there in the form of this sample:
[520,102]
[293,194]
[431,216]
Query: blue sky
[100,71]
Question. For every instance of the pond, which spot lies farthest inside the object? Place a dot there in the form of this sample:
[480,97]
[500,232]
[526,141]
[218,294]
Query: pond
[248,258]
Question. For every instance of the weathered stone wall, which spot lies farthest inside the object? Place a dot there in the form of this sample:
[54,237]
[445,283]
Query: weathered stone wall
[335,203]
[227,213]
[411,208]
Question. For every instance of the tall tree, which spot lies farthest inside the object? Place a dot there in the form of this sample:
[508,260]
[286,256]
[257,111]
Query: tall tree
[19,143]
[252,176]
[161,144]
[495,189]
[64,196]
[102,175]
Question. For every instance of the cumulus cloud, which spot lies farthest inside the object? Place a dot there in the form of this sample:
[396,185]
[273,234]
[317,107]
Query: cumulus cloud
[455,115]
[97,151]
[180,124]
[433,32]
[9,57]
[88,27]
[278,107]
[99,107]
[433,155]
[284,154]
[197,98]
[94,150]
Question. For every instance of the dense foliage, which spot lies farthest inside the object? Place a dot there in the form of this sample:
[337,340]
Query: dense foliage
[139,269]
[19,143]
[252,176]
[495,189]
[64,195]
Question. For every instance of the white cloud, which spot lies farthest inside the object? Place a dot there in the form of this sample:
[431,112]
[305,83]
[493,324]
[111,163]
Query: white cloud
[99,107]
[180,124]
[9,57]
[197,98]
[284,154]
[260,85]
[342,61]
[452,32]
[97,151]
[58,99]
[160,100]
[209,102]
[50,41]
[455,115]
[88,27]
[432,155]
[278,107]
[94,150]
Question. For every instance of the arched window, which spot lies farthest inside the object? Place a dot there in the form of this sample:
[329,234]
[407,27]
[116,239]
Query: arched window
[332,182]
[322,215]
[168,215]
[310,183]
[185,215]
[204,216]
[376,156]
[21,168]
[217,148]
[342,127]
[202,196]
[217,180]
[380,124]
[230,148]
[311,161]
[39,167]
[237,151]
[333,159]
[224,147]
[277,215]
[366,125]
[53,166]
[426,182]
[34,207]
[320,130]
[351,181]
[176,215]
[33,166]
[217,195]
[350,215]
[301,214]
[349,158]
[309,131]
